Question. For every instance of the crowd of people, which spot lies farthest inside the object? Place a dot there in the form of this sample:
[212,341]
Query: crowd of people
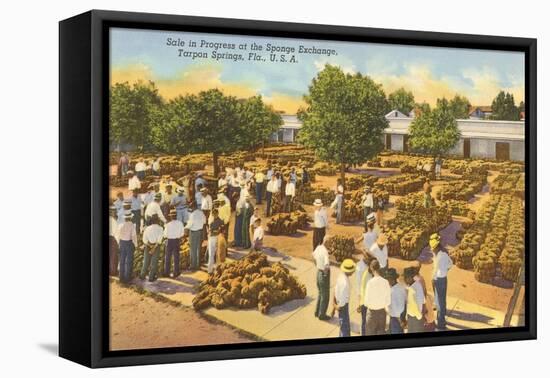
[172,211]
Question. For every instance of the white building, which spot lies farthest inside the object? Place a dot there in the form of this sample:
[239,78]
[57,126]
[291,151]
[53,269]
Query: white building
[504,140]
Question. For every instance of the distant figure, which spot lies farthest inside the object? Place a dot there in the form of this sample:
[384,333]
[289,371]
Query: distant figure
[338,203]
[259,177]
[271,191]
[133,181]
[398,302]
[173,233]
[124,163]
[152,240]
[290,193]
[367,201]
[127,240]
[438,165]
[140,169]
[428,200]
[215,229]
[113,243]
[258,238]
[416,302]
[194,229]
[156,167]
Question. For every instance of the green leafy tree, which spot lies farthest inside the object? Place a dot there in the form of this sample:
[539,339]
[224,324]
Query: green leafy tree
[420,108]
[401,100]
[212,122]
[344,118]
[435,132]
[504,107]
[131,112]
[460,107]
[522,106]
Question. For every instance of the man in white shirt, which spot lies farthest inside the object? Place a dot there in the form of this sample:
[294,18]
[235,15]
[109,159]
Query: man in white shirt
[371,233]
[179,202]
[173,232]
[398,302]
[152,239]
[441,265]
[379,250]
[156,167]
[320,222]
[154,209]
[127,241]
[258,236]
[140,169]
[194,228]
[362,277]
[113,244]
[367,202]
[338,203]
[271,190]
[416,301]
[376,299]
[133,182]
[322,263]
[290,193]
[136,207]
[342,295]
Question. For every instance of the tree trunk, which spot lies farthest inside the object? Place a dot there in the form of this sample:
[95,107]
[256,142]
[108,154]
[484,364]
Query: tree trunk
[215,164]
[343,174]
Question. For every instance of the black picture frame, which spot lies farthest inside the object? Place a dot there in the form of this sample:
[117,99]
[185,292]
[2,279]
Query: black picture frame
[83,196]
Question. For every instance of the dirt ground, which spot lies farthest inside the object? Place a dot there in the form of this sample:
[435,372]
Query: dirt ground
[462,283]
[139,321]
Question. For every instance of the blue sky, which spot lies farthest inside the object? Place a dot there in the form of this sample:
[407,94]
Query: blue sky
[428,72]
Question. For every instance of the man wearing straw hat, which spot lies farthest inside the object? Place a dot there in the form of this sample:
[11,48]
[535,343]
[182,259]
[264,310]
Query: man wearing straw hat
[179,202]
[367,200]
[173,232]
[194,229]
[320,223]
[441,265]
[342,295]
[322,263]
[379,251]
[127,241]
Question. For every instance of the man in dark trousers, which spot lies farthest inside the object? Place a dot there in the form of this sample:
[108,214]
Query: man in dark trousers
[320,222]
[173,232]
[322,263]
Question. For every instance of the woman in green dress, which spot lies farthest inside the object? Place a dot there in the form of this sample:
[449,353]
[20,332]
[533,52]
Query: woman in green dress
[246,212]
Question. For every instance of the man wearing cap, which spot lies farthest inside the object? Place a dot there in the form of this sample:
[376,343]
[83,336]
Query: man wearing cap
[441,265]
[342,295]
[133,181]
[152,239]
[379,250]
[194,228]
[367,200]
[154,208]
[173,232]
[376,298]
[416,301]
[271,190]
[179,202]
[135,206]
[396,309]
[199,181]
[320,222]
[322,263]
[127,241]
[140,169]
[113,244]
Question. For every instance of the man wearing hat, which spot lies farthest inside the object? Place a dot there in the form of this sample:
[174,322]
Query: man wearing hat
[259,178]
[179,202]
[127,241]
[194,228]
[371,233]
[135,206]
[379,251]
[149,197]
[167,198]
[154,208]
[215,228]
[320,222]
[290,193]
[416,301]
[152,239]
[342,295]
[367,200]
[398,301]
[113,244]
[441,265]
[173,232]
[322,263]
[206,202]
[376,298]
[199,181]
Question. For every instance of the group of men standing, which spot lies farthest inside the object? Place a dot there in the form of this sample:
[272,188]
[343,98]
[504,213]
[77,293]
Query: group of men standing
[385,303]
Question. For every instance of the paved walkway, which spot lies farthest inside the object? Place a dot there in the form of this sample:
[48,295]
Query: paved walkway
[295,319]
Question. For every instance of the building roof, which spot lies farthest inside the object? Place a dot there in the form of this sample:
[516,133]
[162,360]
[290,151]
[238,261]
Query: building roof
[483,108]
[396,114]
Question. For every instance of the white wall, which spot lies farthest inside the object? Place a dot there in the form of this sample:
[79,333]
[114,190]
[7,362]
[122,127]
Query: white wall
[29,297]
[397,142]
